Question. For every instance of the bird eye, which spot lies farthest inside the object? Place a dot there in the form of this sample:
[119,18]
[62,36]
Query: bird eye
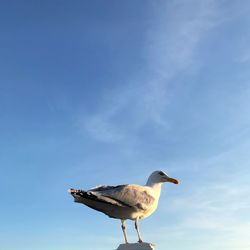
[161,173]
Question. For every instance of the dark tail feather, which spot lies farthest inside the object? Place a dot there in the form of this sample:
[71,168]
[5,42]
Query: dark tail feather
[77,193]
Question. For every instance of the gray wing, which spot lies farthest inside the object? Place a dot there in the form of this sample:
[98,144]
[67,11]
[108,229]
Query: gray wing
[134,196]
[104,188]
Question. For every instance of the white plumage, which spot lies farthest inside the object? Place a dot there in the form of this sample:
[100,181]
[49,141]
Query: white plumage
[124,202]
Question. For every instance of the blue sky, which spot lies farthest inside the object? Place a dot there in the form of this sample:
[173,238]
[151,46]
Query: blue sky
[97,92]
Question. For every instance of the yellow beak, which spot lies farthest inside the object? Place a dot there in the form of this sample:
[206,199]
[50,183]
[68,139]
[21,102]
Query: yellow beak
[168,179]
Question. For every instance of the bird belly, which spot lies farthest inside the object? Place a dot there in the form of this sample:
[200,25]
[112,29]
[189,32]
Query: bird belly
[148,212]
[113,211]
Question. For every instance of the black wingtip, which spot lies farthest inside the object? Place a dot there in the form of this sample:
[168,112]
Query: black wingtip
[73,191]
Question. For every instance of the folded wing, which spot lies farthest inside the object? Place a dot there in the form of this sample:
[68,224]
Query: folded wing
[134,196]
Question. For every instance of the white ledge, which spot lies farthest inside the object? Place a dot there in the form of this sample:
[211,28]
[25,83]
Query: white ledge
[136,246]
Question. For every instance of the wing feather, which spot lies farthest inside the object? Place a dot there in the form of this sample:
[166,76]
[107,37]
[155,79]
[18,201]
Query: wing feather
[135,196]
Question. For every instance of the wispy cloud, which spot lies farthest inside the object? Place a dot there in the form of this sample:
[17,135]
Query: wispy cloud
[211,210]
[213,216]
[174,35]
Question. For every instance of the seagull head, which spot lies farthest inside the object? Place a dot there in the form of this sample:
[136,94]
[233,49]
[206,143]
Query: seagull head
[160,177]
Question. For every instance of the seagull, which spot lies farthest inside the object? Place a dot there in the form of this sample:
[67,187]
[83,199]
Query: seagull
[124,202]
